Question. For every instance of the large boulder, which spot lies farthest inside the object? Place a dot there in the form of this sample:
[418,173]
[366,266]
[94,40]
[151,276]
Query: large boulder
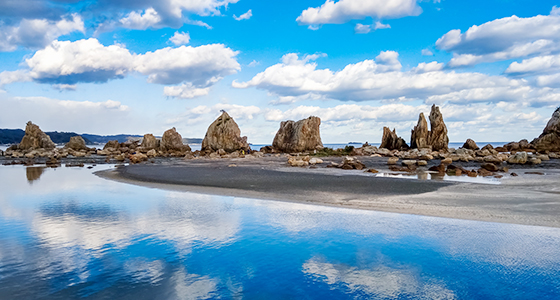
[391,141]
[76,143]
[224,134]
[303,135]
[549,140]
[437,137]
[149,142]
[173,141]
[111,144]
[470,144]
[419,136]
[35,138]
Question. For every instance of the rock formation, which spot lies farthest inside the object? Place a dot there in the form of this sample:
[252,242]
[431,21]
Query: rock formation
[35,138]
[303,135]
[224,134]
[173,141]
[549,140]
[470,144]
[111,144]
[391,141]
[437,137]
[419,135]
[149,142]
[76,143]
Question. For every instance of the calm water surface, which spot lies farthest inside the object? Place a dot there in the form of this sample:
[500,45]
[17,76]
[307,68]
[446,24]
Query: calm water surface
[67,234]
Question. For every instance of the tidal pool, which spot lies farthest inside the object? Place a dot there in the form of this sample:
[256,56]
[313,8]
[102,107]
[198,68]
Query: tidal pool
[68,234]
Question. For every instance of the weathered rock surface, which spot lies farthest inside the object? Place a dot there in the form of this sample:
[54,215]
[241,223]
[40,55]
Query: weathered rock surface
[224,134]
[391,141]
[437,137]
[173,141]
[149,142]
[111,144]
[35,138]
[470,144]
[518,158]
[76,143]
[303,135]
[419,135]
[549,140]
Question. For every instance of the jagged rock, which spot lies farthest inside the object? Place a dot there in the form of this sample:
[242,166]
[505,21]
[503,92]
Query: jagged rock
[303,135]
[35,138]
[149,142]
[391,141]
[470,144]
[437,138]
[111,144]
[76,143]
[173,141]
[224,134]
[518,158]
[419,135]
[549,140]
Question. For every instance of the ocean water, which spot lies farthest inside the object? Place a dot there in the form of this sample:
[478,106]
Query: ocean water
[67,234]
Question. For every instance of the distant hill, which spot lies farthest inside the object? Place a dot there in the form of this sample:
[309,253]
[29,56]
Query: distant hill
[14,136]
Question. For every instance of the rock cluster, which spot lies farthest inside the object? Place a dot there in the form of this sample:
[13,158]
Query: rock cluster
[224,134]
[76,143]
[297,161]
[149,142]
[35,138]
[391,141]
[300,136]
[549,140]
[436,138]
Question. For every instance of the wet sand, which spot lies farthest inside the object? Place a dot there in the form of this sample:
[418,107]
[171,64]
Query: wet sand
[528,199]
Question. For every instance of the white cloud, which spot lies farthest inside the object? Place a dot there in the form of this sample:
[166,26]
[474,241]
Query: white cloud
[427,67]
[37,33]
[361,28]
[185,91]
[245,16]
[427,52]
[8,77]
[503,39]
[345,10]
[137,20]
[535,65]
[180,38]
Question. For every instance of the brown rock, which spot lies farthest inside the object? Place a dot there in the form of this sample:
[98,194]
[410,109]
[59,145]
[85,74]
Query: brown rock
[470,144]
[111,144]
[484,173]
[303,135]
[138,157]
[76,143]
[173,141]
[419,135]
[35,138]
[487,147]
[391,141]
[437,138]
[149,142]
[549,140]
[224,134]
[440,169]
[490,167]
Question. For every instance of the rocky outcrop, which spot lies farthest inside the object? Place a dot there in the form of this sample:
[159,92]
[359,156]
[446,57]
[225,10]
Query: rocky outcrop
[35,138]
[549,140]
[111,144]
[391,141]
[470,144]
[437,138]
[224,134]
[419,135]
[303,135]
[76,143]
[149,142]
[173,141]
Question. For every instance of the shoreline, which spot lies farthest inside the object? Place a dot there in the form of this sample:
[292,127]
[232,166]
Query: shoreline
[527,199]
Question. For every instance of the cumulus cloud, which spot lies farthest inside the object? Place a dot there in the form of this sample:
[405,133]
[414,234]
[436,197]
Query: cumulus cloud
[137,20]
[345,10]
[535,65]
[37,33]
[361,28]
[383,79]
[68,63]
[427,52]
[245,16]
[180,38]
[502,39]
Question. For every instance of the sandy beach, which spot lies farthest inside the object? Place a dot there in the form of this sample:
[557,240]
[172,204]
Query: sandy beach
[530,199]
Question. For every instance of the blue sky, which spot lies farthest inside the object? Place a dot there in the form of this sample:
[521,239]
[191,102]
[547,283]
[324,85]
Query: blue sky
[136,67]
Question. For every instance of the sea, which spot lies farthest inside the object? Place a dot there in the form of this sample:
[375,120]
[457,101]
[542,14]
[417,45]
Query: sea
[66,233]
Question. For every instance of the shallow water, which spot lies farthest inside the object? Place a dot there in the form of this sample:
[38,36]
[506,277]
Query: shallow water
[437,177]
[67,234]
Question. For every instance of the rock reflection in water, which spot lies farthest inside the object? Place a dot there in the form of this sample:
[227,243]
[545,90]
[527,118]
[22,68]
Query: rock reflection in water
[34,173]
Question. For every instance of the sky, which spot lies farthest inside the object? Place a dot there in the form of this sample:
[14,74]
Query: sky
[144,66]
